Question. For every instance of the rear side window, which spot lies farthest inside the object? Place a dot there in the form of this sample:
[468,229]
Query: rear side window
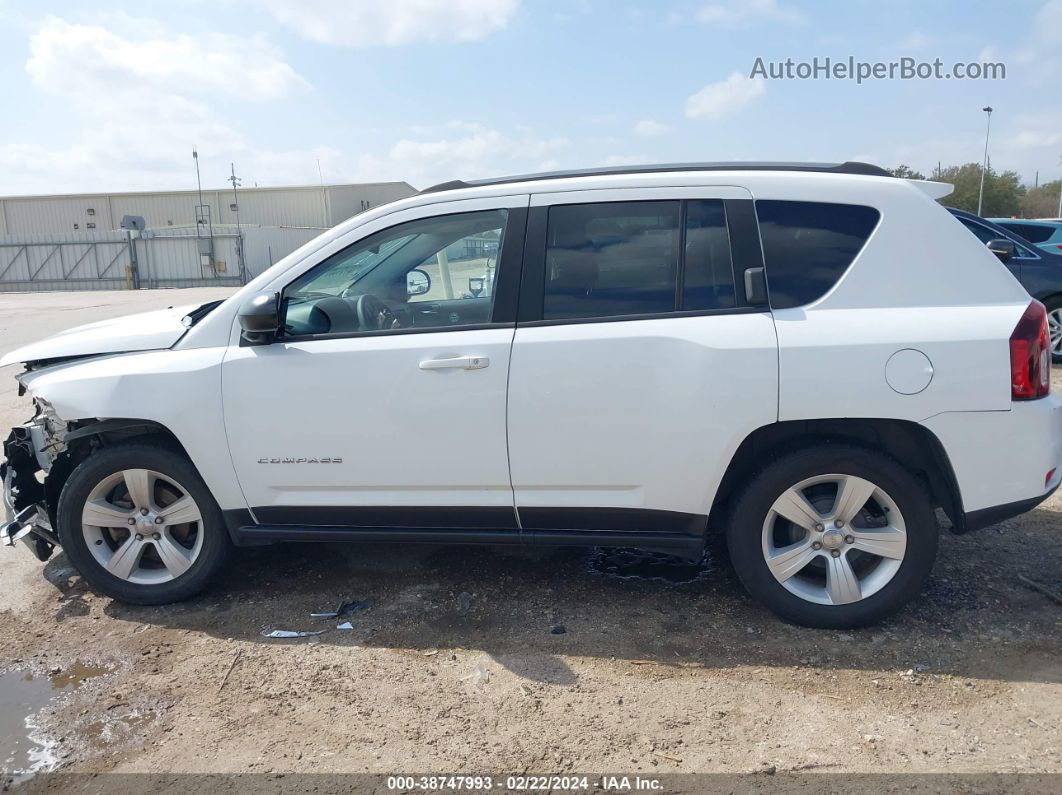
[617,259]
[1031,232]
[609,259]
[807,246]
[709,270]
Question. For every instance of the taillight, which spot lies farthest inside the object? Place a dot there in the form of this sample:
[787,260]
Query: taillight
[1030,355]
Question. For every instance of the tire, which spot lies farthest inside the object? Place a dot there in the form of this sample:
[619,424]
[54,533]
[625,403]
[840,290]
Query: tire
[897,519]
[1054,318]
[174,561]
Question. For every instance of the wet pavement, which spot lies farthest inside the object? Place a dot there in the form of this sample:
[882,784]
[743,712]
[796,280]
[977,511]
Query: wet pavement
[25,746]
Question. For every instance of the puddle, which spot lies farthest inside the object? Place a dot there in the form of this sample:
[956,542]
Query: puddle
[638,564]
[24,749]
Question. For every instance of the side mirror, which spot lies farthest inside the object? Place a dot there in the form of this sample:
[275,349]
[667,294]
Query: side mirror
[475,285]
[418,282]
[1002,248]
[260,319]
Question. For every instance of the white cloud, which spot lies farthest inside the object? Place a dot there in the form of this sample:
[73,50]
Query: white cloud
[462,151]
[362,23]
[90,62]
[742,13]
[720,99]
[1040,52]
[649,127]
[136,97]
[916,41]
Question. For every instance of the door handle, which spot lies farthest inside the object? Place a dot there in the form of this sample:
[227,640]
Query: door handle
[457,363]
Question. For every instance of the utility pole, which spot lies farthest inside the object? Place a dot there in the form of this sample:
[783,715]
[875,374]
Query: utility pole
[984,167]
[1060,193]
[239,234]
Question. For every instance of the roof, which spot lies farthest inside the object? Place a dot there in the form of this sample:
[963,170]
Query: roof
[848,167]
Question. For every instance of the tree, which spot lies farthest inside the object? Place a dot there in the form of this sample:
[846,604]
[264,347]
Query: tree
[1003,190]
[906,172]
[1042,202]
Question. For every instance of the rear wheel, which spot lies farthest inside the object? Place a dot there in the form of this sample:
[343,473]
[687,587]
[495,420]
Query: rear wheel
[140,525]
[834,536]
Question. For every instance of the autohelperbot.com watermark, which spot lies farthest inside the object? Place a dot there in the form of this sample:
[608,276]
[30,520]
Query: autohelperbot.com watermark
[851,68]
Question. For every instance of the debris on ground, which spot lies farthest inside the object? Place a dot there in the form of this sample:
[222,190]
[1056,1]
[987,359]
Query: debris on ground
[345,625]
[464,602]
[479,674]
[1054,597]
[344,609]
[292,633]
[228,673]
[558,629]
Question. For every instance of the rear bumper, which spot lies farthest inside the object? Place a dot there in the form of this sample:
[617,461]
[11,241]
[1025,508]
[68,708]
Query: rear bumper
[1005,462]
[985,517]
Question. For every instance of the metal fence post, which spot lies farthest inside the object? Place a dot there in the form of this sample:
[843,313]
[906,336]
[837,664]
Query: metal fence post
[134,268]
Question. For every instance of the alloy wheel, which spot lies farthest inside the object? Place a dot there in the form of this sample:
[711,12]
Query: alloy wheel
[142,526]
[1054,325]
[834,539]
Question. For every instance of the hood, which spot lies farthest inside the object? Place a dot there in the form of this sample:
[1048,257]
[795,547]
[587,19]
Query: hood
[141,332]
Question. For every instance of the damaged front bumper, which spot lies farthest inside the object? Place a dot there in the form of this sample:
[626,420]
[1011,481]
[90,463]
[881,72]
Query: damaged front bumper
[30,449]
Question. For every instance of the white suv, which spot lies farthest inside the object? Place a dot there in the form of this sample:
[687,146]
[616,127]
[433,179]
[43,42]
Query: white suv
[807,358]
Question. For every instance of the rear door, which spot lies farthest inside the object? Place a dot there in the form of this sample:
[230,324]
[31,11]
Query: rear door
[638,365]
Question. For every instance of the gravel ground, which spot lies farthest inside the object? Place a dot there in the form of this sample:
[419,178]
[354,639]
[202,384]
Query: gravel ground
[487,660]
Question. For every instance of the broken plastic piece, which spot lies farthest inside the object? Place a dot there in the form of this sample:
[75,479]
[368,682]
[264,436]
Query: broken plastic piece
[291,633]
[345,625]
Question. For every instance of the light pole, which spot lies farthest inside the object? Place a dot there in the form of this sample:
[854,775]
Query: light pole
[1060,194]
[984,166]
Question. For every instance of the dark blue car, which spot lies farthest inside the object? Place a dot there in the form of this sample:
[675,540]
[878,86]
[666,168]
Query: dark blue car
[1039,271]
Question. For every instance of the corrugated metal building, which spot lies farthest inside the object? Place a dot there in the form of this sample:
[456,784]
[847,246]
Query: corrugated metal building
[307,206]
[75,242]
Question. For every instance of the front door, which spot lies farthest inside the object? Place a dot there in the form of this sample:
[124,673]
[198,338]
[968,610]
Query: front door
[382,404]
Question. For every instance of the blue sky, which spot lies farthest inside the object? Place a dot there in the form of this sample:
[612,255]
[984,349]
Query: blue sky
[113,96]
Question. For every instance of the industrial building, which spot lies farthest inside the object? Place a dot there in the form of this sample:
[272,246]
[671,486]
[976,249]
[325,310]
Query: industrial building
[76,242]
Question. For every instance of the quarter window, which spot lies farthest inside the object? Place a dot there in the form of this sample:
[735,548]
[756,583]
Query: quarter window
[807,246]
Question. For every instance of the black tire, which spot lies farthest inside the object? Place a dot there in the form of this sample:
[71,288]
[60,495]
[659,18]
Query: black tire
[745,534]
[1052,305]
[165,460]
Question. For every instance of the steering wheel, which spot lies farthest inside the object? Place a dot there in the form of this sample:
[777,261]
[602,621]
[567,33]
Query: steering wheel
[374,314]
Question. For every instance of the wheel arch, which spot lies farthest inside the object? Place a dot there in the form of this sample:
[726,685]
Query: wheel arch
[87,436]
[912,445]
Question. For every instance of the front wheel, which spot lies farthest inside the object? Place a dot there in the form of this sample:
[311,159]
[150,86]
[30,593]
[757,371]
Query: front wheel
[139,524]
[834,536]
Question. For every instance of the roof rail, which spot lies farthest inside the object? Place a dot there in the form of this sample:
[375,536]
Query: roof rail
[848,167]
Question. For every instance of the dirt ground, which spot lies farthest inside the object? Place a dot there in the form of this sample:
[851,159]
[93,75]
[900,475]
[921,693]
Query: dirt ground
[481,660]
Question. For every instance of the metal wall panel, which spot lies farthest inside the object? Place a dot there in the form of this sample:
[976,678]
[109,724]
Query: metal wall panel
[295,206]
[265,246]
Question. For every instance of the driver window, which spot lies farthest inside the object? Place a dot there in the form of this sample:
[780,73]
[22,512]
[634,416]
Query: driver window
[428,273]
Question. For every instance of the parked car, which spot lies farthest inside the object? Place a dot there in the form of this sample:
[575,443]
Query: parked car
[807,359]
[1038,270]
[1044,234]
